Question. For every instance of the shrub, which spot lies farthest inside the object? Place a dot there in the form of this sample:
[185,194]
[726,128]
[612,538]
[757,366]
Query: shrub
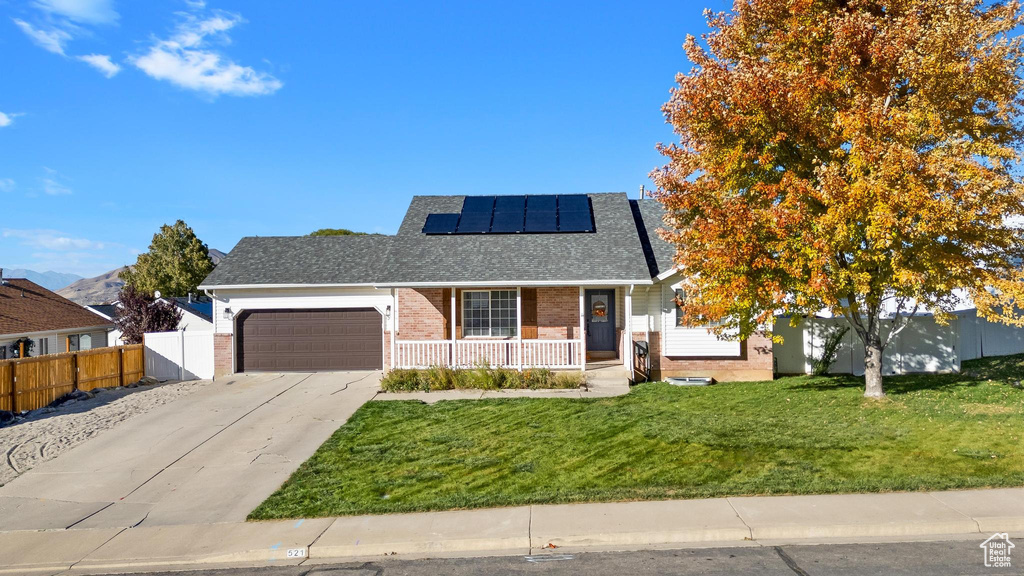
[483,377]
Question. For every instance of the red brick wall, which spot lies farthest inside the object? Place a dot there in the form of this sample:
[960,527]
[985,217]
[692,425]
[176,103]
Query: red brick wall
[223,359]
[420,315]
[755,364]
[558,313]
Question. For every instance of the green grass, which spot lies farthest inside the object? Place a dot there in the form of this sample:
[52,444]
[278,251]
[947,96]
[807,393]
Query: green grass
[799,435]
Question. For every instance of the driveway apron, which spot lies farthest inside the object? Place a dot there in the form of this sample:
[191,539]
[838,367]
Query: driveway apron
[209,457]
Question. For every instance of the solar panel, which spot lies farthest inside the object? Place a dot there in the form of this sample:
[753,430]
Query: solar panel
[540,221]
[507,222]
[545,203]
[441,223]
[510,204]
[478,204]
[573,203]
[575,222]
[474,223]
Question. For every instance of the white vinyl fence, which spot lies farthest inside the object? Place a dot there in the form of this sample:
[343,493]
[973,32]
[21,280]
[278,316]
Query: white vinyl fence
[923,346]
[180,355]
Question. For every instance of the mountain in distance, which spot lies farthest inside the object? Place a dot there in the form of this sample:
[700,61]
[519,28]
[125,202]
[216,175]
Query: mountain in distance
[50,280]
[103,289]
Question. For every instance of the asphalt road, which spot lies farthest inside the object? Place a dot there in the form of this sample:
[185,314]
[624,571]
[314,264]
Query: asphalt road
[957,558]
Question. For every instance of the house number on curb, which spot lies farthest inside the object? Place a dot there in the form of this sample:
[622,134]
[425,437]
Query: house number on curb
[296,553]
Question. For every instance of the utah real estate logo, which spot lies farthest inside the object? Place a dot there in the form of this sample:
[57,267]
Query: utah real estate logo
[997,550]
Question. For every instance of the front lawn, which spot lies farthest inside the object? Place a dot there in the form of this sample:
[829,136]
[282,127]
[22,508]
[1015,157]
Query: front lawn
[797,435]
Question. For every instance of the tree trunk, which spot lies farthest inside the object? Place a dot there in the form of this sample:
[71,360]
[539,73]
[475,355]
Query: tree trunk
[873,361]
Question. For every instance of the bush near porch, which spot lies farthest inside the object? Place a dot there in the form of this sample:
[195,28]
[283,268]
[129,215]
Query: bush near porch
[799,435]
[482,378]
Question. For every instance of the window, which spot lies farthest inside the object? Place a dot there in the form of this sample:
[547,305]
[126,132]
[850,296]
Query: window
[680,296]
[85,342]
[44,346]
[73,343]
[489,313]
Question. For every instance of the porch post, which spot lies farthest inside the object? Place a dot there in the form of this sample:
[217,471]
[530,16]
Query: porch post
[519,327]
[627,343]
[394,326]
[582,335]
[451,353]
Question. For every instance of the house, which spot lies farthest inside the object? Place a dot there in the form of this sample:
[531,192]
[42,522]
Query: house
[37,321]
[196,315]
[517,281]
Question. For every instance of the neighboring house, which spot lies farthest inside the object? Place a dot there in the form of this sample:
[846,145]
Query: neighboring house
[515,281]
[196,315]
[52,323]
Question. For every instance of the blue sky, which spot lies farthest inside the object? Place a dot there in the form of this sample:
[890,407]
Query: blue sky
[278,118]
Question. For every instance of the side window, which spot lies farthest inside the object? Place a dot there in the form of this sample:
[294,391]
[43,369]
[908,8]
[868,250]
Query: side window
[679,299]
[73,343]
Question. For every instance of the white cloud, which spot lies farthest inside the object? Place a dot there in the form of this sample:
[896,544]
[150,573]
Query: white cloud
[52,39]
[102,63]
[51,240]
[187,60]
[82,11]
[54,188]
[6,119]
[6,185]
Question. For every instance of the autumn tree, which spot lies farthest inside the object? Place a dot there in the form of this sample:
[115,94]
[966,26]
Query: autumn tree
[177,261]
[140,312]
[855,156]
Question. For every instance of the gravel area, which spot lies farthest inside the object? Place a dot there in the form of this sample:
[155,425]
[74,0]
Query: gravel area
[49,432]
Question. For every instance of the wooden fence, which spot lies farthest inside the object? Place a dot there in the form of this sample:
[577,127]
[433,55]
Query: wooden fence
[30,383]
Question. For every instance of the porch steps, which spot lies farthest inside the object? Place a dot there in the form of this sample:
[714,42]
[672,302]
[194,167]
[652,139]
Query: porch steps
[607,375]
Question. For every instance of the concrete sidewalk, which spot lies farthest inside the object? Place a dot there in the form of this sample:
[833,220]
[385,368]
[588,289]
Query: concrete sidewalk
[748,521]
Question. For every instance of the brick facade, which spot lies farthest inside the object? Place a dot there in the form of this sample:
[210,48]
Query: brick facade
[420,314]
[756,362]
[223,357]
[558,313]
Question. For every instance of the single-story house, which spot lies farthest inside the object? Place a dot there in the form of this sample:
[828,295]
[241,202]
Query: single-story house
[196,315]
[552,281]
[38,322]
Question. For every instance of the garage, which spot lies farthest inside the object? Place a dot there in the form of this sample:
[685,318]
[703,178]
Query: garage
[309,340]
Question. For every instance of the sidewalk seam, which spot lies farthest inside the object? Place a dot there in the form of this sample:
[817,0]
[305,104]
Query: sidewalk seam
[529,531]
[107,541]
[750,530]
[309,549]
[977,525]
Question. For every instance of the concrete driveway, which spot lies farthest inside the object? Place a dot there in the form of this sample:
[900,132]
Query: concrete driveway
[210,457]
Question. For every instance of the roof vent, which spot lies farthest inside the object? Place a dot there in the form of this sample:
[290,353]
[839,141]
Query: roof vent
[2,281]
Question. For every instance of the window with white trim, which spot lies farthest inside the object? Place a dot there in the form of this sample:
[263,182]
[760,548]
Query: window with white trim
[489,313]
[681,297]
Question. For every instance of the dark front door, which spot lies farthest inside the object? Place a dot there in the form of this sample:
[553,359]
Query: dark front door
[600,315]
[309,340]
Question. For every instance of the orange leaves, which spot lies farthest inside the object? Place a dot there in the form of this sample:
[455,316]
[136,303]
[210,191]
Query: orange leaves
[832,148]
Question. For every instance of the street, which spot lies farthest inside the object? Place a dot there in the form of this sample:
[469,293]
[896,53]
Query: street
[960,558]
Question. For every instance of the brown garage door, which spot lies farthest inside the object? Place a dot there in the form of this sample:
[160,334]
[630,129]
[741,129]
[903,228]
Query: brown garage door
[309,340]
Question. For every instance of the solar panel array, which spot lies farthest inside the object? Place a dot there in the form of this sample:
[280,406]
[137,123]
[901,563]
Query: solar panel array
[533,214]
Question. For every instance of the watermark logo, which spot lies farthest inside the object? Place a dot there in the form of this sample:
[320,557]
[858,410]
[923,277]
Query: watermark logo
[997,550]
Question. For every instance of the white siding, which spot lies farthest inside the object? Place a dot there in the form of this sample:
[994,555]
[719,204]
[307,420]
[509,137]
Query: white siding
[680,341]
[293,298]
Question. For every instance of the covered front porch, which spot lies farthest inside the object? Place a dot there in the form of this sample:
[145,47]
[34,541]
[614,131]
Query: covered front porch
[553,327]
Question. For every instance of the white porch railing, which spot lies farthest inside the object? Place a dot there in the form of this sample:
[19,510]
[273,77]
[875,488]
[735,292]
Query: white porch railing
[503,353]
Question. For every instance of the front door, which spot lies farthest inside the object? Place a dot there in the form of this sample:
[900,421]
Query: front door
[600,314]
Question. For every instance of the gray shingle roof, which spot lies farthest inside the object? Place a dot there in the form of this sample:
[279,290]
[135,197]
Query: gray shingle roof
[660,254]
[294,260]
[612,253]
[624,248]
